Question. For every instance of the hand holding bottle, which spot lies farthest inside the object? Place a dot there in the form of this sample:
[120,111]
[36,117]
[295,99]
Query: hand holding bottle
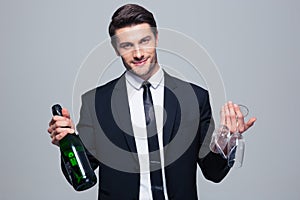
[73,154]
[60,126]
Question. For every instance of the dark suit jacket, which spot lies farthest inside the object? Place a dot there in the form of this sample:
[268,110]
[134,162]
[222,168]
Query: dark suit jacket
[106,130]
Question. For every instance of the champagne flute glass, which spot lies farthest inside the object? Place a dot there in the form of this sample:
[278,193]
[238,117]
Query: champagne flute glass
[244,109]
[236,144]
[220,140]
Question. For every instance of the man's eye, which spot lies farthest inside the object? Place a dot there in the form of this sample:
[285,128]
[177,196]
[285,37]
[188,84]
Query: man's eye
[145,41]
[126,46]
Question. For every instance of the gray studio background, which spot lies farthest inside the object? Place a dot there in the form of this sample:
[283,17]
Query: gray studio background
[255,45]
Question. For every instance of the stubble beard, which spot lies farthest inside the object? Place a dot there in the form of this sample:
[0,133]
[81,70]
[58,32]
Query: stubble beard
[144,72]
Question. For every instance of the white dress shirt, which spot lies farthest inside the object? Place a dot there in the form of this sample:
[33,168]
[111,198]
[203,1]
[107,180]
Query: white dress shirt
[136,107]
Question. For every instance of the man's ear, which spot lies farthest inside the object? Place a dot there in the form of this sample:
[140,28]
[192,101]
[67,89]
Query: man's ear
[156,39]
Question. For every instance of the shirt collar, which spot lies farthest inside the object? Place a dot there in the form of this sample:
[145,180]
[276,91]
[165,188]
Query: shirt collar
[136,82]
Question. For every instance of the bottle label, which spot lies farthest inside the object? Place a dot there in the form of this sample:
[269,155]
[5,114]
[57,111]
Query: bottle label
[72,159]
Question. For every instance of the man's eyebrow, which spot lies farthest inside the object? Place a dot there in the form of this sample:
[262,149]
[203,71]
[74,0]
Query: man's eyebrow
[125,43]
[146,37]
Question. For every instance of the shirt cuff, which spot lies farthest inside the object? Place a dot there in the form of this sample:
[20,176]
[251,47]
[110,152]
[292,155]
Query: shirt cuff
[219,145]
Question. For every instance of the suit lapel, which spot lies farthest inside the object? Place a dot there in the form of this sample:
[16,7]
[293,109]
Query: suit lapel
[121,113]
[171,107]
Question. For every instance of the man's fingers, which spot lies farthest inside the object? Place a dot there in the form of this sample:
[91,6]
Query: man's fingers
[54,141]
[227,116]
[222,114]
[65,113]
[232,116]
[50,130]
[60,126]
[65,123]
[59,118]
[60,133]
[57,138]
[61,121]
[51,121]
[239,119]
[250,123]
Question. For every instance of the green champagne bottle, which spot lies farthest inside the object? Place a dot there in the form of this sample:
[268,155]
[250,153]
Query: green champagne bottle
[74,158]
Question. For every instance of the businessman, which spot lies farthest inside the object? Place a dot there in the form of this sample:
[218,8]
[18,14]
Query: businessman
[146,130]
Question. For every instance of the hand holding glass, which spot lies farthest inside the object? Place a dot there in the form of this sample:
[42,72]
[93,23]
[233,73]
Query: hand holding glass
[230,145]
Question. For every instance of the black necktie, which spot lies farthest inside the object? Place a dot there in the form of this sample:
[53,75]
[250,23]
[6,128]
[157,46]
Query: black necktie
[154,155]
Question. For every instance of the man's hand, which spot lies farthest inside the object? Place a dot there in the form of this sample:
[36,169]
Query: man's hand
[60,126]
[232,117]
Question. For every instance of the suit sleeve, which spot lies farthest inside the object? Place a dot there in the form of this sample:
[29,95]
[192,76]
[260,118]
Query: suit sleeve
[213,166]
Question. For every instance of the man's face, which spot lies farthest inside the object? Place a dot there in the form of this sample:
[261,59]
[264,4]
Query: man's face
[137,46]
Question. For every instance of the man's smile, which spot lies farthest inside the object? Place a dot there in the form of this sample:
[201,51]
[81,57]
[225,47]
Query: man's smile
[140,62]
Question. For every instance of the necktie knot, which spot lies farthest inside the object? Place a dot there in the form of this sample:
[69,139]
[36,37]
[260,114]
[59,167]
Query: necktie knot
[146,85]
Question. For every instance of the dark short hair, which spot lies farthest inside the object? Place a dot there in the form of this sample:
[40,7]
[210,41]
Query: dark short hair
[128,15]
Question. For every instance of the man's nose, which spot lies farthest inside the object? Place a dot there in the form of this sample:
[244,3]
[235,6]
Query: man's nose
[138,53]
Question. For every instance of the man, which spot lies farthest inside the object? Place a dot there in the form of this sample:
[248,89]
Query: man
[144,130]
